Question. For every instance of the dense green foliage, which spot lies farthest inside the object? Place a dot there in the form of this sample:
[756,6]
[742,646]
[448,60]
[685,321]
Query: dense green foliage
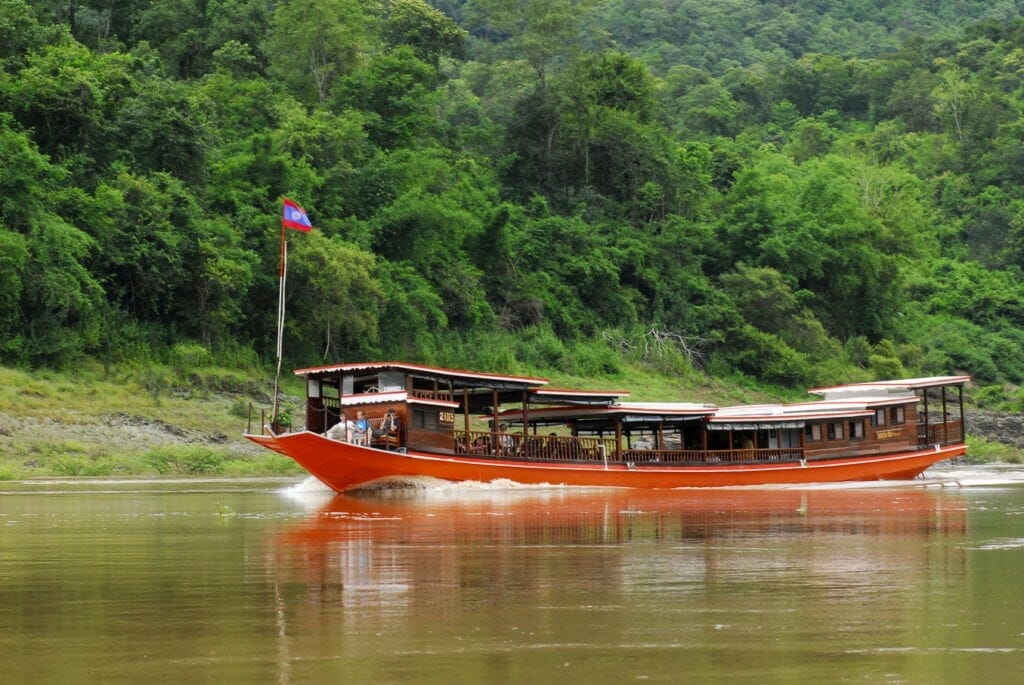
[798,192]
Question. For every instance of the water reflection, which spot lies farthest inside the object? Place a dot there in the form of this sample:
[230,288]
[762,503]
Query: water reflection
[380,547]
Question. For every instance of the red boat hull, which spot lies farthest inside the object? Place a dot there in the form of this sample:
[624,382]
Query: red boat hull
[344,466]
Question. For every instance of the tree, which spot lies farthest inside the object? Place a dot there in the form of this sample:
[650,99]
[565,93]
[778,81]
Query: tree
[67,95]
[334,299]
[541,31]
[398,91]
[313,43]
[952,97]
[51,304]
[426,30]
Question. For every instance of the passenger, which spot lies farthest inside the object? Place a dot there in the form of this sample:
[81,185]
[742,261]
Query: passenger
[340,430]
[360,434]
[505,441]
[388,425]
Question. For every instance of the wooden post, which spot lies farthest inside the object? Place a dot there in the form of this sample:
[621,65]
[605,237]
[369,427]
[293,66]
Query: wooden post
[526,413]
[945,419]
[494,416]
[963,434]
[927,434]
[618,438]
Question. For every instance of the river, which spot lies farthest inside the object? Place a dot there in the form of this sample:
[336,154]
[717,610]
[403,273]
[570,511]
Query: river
[279,581]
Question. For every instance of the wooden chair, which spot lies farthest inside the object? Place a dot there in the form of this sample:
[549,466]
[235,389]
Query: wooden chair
[391,440]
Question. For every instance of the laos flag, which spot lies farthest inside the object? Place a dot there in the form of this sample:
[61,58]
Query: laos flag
[294,216]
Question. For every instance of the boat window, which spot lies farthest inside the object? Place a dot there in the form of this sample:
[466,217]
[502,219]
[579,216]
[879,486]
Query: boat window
[835,431]
[812,431]
[856,429]
[879,418]
[424,419]
[898,417]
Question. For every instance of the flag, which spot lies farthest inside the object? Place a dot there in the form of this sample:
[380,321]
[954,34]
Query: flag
[294,216]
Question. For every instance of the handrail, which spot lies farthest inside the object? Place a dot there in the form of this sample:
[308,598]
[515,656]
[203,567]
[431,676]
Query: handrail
[589,450]
[541,447]
[941,433]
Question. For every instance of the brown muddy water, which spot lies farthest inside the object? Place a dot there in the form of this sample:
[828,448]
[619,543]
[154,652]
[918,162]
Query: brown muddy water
[257,581]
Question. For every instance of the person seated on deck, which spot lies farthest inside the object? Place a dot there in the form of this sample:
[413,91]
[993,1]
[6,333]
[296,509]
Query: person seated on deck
[340,430]
[748,447]
[506,442]
[552,446]
[389,424]
[479,446]
[360,430]
[387,433]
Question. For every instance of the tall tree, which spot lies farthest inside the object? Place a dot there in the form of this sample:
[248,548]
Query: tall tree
[315,42]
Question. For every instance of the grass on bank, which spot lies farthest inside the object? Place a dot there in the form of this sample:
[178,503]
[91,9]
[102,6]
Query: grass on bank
[134,421]
[982,451]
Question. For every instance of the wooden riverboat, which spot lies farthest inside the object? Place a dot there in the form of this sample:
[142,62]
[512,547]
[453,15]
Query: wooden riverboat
[459,425]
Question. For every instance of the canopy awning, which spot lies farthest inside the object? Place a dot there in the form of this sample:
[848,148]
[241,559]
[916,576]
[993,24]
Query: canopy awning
[754,426]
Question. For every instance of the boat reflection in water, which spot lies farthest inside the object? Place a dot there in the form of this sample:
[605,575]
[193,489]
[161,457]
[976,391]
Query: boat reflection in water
[391,545]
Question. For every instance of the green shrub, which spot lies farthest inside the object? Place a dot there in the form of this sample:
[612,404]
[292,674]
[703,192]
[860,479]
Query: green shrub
[10,471]
[240,408]
[982,451]
[80,466]
[183,460]
[264,465]
[592,359]
[186,356]
[990,396]
[886,367]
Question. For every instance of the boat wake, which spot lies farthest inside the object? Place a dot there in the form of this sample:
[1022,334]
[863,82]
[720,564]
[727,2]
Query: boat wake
[313,490]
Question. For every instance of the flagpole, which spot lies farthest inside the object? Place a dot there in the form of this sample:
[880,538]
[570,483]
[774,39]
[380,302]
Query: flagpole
[292,216]
[282,270]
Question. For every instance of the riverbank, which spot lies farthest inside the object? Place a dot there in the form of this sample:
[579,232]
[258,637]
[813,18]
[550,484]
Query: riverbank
[131,422]
[165,421]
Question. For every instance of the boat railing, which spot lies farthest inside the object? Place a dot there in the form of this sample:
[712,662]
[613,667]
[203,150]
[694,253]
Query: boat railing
[598,450]
[546,447]
[432,395]
[942,433]
[645,456]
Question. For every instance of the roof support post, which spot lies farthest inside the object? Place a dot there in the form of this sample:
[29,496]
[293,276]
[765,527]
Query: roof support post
[963,428]
[945,418]
[494,414]
[927,431]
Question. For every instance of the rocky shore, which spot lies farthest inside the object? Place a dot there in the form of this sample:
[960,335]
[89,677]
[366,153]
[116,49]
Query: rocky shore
[1001,427]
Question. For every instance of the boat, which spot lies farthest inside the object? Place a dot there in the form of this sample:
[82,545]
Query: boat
[457,425]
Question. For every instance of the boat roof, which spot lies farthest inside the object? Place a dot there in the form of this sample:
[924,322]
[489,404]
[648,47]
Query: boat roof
[627,412]
[789,413]
[460,377]
[881,388]
[583,397]
[393,397]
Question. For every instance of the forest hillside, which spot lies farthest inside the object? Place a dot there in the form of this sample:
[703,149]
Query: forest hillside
[794,193]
